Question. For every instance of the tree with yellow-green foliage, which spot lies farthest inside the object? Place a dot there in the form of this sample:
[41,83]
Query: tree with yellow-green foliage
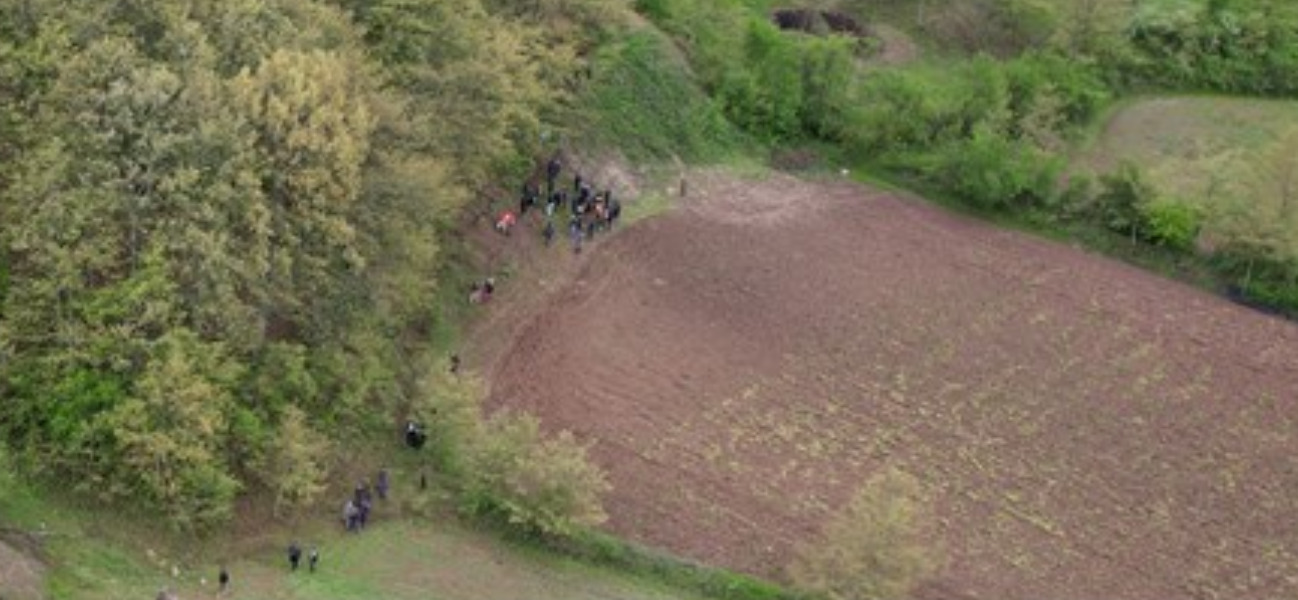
[220,227]
[874,548]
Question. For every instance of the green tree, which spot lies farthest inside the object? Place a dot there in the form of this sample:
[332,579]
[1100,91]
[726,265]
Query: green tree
[476,90]
[875,548]
[295,462]
[311,118]
[545,485]
[170,433]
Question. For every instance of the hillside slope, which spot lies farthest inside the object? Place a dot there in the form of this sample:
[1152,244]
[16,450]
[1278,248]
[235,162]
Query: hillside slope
[1087,429]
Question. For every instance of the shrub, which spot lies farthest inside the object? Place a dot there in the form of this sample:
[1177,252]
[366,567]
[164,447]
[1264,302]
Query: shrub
[992,172]
[504,466]
[1170,223]
[1078,194]
[546,486]
[1122,194]
[874,548]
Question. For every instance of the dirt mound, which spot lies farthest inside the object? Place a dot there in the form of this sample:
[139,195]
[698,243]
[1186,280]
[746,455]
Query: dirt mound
[1088,429]
[818,22]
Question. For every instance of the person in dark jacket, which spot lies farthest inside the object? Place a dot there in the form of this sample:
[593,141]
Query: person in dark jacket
[294,556]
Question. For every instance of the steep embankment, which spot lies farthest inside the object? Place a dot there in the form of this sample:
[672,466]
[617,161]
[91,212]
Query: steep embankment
[1088,429]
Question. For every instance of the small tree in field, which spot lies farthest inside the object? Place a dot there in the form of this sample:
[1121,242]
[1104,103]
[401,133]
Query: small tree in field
[873,549]
[546,485]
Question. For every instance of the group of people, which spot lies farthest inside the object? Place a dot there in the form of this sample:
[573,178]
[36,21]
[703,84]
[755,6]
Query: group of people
[589,211]
[356,512]
[295,557]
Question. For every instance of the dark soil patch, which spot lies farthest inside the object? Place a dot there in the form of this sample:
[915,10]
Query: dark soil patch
[818,22]
[1089,430]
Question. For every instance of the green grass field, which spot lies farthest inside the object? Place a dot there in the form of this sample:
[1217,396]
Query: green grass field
[97,555]
[1188,144]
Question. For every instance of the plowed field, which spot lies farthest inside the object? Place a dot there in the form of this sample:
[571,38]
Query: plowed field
[1088,430]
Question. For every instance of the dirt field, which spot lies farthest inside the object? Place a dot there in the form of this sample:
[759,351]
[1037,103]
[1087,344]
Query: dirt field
[743,363]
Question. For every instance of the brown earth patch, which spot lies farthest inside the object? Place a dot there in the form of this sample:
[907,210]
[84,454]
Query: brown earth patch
[1089,430]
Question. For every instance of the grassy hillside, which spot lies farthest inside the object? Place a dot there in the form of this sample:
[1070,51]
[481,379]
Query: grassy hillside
[1185,143]
[88,558]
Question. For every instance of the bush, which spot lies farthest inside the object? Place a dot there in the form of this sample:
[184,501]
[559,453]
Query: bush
[874,548]
[1241,47]
[1170,223]
[1122,194]
[504,466]
[546,486]
[992,172]
[1078,195]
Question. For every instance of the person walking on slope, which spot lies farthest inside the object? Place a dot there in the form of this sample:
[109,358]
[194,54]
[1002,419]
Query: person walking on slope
[313,558]
[223,580]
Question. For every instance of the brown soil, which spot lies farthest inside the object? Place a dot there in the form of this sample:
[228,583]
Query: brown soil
[742,364]
[895,47]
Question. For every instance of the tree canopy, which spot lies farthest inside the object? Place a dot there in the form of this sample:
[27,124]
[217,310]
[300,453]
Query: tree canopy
[220,244]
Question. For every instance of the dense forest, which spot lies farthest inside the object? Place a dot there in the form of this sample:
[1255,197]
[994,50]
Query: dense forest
[222,221]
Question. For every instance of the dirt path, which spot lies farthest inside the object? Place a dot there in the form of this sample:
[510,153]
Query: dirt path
[1089,430]
[21,577]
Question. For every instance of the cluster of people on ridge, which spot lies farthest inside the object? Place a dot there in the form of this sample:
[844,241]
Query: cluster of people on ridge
[589,211]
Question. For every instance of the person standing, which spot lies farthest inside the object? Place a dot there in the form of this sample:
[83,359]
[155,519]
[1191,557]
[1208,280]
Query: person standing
[574,234]
[552,173]
[548,232]
[381,485]
[223,579]
[313,558]
[350,515]
[294,556]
